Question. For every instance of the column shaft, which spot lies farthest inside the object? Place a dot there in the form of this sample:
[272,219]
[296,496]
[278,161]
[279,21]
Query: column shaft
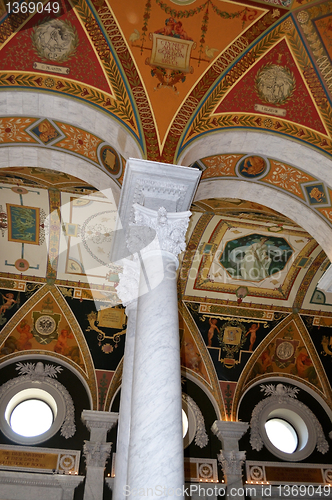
[122,447]
[156,444]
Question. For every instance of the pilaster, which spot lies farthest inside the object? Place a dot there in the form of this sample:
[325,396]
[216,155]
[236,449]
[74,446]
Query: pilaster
[96,451]
[230,457]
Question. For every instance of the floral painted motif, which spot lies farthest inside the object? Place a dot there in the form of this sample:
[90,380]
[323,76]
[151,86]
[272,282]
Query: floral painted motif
[13,129]
[218,166]
[79,141]
[287,178]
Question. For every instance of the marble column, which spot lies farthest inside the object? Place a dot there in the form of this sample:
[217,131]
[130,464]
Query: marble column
[230,457]
[155,465]
[96,451]
[127,291]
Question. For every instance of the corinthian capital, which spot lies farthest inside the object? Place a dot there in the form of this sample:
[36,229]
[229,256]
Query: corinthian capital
[170,227]
[231,462]
[96,454]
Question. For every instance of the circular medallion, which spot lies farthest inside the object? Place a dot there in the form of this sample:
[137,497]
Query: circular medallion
[256,473]
[21,264]
[45,325]
[205,470]
[110,159]
[55,40]
[97,233]
[285,350]
[303,17]
[19,190]
[252,167]
[67,462]
[274,84]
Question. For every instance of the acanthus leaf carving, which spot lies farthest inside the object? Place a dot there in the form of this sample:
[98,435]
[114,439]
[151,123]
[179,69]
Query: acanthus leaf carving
[96,453]
[232,462]
[170,228]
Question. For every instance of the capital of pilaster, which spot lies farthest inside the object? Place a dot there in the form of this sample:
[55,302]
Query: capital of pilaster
[227,430]
[96,453]
[99,419]
[170,228]
[231,462]
[127,289]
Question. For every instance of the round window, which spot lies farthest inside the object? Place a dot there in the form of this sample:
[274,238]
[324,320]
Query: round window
[287,433]
[185,423]
[30,414]
[282,435]
[31,417]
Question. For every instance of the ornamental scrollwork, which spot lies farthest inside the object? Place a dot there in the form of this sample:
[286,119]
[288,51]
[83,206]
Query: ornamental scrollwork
[96,453]
[201,437]
[38,372]
[286,395]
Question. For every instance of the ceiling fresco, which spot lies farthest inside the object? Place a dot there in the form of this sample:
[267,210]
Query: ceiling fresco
[168,73]
[219,65]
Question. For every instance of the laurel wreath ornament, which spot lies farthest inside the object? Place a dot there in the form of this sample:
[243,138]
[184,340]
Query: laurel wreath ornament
[55,38]
[275,84]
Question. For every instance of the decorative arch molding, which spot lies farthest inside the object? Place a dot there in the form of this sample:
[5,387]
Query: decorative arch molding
[34,156]
[259,143]
[267,379]
[190,375]
[87,375]
[304,216]
[243,385]
[19,357]
[41,104]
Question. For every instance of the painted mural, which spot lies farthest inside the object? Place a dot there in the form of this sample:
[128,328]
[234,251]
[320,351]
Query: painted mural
[231,334]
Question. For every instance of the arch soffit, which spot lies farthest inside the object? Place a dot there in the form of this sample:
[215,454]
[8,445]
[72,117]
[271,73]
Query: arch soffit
[34,156]
[285,150]
[260,143]
[54,107]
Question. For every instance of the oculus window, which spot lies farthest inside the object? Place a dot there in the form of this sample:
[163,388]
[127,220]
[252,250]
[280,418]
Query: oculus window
[282,435]
[31,417]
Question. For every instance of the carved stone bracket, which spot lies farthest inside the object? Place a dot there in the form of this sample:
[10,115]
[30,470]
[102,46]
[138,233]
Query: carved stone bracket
[170,228]
[232,462]
[99,423]
[96,454]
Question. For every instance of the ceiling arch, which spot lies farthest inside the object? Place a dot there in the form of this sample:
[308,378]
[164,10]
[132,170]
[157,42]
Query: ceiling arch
[31,156]
[274,146]
[35,103]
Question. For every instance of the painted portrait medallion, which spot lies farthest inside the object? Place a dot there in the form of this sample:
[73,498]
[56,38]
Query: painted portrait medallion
[55,40]
[110,159]
[274,84]
[252,167]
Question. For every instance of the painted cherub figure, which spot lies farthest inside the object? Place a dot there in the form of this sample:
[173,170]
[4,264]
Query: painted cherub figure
[9,302]
[61,347]
[23,343]
[252,331]
[213,326]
